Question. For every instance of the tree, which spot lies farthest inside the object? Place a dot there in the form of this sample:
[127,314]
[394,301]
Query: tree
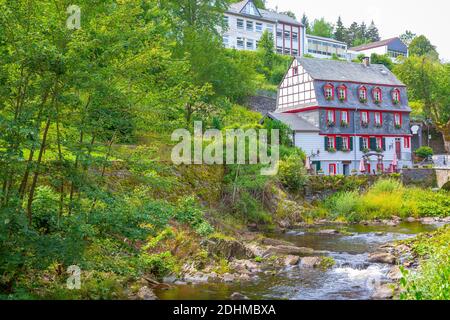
[266,50]
[408,37]
[340,32]
[352,34]
[382,59]
[372,33]
[427,80]
[421,46]
[322,28]
[305,22]
[290,14]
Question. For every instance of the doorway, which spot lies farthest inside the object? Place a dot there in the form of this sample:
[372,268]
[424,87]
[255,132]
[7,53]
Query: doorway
[398,148]
[346,169]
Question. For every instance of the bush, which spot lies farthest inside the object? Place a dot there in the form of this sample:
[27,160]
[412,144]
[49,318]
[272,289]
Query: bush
[424,152]
[292,173]
[345,204]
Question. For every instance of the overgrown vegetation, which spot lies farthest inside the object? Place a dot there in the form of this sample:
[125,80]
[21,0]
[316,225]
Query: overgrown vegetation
[385,199]
[431,280]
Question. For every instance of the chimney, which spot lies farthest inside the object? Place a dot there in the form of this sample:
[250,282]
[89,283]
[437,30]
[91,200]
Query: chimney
[366,61]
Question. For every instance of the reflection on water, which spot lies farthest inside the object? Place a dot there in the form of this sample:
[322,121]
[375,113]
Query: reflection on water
[352,277]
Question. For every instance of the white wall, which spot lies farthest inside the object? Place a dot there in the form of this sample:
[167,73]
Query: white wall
[233,32]
[311,143]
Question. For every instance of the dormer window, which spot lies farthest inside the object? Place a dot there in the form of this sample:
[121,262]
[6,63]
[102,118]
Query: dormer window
[329,92]
[377,95]
[362,94]
[342,93]
[395,96]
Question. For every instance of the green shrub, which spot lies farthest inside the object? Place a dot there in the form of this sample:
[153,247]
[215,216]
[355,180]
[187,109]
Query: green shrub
[424,152]
[292,173]
[345,205]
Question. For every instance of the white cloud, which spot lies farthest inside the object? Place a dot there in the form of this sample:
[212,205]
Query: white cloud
[392,17]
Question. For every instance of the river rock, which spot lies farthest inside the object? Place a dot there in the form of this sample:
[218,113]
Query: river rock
[196,278]
[383,292]
[275,242]
[227,277]
[446,220]
[145,293]
[288,250]
[382,257]
[328,231]
[311,262]
[228,248]
[395,274]
[291,260]
[411,219]
[428,220]
[238,296]
[245,266]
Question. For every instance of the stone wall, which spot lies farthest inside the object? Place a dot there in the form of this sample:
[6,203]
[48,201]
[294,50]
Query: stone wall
[425,178]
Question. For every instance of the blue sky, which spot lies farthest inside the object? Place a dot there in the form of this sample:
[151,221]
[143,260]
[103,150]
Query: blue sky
[392,17]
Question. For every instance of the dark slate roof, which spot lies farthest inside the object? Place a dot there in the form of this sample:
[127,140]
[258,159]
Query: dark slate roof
[374,44]
[294,121]
[265,14]
[279,17]
[333,70]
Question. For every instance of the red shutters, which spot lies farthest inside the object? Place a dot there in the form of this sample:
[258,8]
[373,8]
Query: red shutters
[328,91]
[362,94]
[331,117]
[342,93]
[377,95]
[332,168]
[395,96]
[407,141]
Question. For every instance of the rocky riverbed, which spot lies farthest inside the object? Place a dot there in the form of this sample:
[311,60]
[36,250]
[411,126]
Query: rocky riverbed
[320,261]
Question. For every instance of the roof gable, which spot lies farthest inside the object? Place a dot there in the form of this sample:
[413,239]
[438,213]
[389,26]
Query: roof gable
[343,71]
[376,44]
[251,9]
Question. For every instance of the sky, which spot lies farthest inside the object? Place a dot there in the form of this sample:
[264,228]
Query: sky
[392,17]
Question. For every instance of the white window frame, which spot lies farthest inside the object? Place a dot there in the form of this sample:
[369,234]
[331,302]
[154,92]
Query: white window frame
[346,143]
[240,24]
[240,39]
[379,142]
[363,94]
[378,118]
[328,92]
[365,143]
[397,119]
[331,143]
[345,119]
[252,44]
[341,93]
[259,27]
[249,23]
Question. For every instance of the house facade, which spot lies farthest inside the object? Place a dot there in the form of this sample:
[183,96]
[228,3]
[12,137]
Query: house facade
[393,47]
[325,48]
[245,24]
[347,117]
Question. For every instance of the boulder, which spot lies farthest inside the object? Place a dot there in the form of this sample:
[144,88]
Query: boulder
[428,220]
[288,250]
[311,262]
[328,231]
[411,219]
[382,257]
[228,248]
[394,273]
[291,260]
[145,293]
[383,292]
[227,277]
[275,242]
[238,296]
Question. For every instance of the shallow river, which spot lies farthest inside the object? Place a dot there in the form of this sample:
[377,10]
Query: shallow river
[352,277]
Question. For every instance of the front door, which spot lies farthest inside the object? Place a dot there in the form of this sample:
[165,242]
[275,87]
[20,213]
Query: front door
[398,148]
[346,169]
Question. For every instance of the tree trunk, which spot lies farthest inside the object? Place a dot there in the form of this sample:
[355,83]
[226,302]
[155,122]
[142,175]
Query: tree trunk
[36,173]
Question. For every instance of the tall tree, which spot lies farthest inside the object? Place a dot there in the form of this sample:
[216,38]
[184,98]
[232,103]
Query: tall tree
[340,32]
[322,28]
[421,46]
[305,22]
[372,33]
[408,37]
[266,50]
[427,80]
[352,34]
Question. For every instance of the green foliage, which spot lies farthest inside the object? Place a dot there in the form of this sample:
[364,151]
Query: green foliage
[421,46]
[292,173]
[424,152]
[431,280]
[386,198]
[382,59]
[322,28]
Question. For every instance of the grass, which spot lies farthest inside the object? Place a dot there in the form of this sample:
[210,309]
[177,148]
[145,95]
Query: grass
[385,199]
[432,280]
